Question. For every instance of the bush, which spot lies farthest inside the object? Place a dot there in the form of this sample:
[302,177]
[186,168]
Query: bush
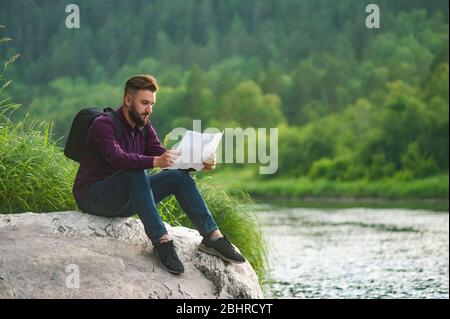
[418,165]
[34,173]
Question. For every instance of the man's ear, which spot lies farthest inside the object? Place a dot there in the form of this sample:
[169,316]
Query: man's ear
[127,99]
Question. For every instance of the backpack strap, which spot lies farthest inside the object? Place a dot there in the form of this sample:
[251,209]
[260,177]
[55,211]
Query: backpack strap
[117,122]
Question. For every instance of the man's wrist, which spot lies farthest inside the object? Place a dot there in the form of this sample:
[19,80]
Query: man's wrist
[156,161]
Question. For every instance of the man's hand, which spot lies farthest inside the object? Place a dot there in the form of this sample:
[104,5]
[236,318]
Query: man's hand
[210,165]
[165,160]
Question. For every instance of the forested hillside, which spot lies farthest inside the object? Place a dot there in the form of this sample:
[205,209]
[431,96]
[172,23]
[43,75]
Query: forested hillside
[350,102]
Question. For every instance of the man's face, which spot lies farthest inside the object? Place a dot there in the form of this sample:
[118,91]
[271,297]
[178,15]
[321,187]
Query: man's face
[140,106]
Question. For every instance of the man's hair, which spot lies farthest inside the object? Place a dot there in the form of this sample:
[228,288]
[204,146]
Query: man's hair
[141,82]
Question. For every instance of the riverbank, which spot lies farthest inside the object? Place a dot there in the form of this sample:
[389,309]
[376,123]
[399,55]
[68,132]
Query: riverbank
[437,205]
[432,190]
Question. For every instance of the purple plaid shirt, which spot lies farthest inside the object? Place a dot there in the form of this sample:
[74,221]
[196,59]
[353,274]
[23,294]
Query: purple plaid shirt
[104,156]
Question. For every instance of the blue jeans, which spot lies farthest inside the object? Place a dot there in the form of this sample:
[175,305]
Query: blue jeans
[126,193]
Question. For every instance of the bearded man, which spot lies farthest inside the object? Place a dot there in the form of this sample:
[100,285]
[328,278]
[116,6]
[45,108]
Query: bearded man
[112,180]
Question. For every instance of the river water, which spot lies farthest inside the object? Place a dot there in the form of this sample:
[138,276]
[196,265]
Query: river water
[356,253]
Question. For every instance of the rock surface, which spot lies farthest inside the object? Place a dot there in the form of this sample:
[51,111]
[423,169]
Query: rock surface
[41,256]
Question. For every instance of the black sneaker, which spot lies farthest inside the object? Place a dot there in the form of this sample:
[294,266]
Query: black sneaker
[221,248]
[168,257]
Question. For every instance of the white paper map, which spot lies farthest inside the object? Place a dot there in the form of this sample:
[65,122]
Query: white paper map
[196,148]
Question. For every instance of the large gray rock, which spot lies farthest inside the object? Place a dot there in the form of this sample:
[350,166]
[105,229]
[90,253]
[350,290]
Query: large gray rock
[41,255]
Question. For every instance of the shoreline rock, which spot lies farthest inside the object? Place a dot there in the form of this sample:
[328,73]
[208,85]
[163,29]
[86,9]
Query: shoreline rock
[43,255]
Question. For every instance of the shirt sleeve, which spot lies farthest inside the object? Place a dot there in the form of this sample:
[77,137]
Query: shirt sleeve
[101,136]
[153,146]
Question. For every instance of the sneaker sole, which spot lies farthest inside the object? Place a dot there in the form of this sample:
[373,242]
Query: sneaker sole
[214,252]
[170,270]
[165,268]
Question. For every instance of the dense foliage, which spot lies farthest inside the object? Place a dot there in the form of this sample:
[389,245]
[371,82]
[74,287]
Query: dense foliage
[351,103]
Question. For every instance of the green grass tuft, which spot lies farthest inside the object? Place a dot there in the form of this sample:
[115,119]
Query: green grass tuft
[35,176]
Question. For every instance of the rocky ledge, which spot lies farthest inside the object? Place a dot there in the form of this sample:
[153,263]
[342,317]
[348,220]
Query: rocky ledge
[76,255]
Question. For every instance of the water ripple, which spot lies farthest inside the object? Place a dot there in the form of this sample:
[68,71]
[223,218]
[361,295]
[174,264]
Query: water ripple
[357,253]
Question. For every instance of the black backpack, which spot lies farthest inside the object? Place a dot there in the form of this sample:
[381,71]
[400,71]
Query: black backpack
[74,147]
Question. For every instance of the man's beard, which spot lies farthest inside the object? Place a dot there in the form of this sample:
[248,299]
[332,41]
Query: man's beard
[137,118]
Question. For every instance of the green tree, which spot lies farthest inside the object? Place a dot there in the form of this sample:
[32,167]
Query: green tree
[247,104]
